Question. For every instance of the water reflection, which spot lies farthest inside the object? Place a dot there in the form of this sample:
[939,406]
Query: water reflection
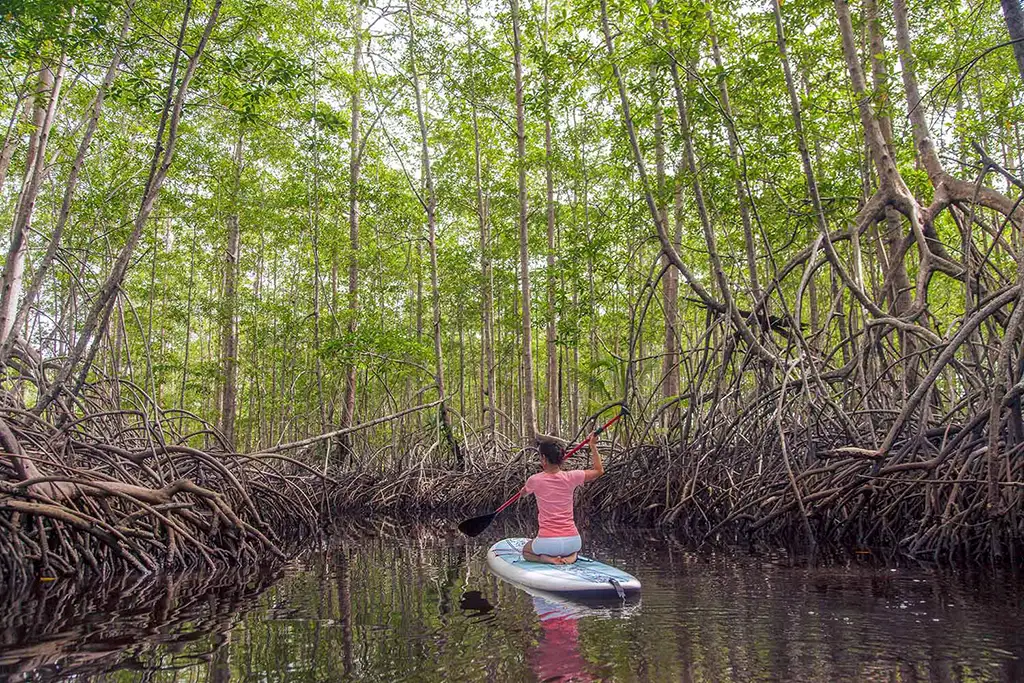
[420,605]
[556,656]
[159,624]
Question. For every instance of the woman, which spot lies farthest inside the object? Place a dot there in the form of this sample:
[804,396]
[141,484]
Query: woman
[558,539]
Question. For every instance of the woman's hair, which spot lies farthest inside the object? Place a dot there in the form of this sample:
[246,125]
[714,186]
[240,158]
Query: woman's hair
[551,448]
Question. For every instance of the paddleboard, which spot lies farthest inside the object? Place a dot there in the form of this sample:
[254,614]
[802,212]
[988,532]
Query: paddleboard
[586,578]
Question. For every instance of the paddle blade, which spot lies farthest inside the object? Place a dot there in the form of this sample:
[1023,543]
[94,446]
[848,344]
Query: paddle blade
[475,525]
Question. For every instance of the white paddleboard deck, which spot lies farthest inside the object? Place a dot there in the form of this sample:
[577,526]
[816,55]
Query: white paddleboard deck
[584,578]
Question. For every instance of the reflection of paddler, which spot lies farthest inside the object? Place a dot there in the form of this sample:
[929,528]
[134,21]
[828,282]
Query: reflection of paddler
[556,657]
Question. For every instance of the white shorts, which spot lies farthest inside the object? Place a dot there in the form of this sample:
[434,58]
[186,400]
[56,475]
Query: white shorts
[557,546]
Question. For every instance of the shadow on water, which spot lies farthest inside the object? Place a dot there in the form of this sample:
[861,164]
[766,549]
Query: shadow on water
[416,602]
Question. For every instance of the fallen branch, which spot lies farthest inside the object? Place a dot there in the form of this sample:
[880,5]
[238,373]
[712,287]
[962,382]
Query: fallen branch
[341,432]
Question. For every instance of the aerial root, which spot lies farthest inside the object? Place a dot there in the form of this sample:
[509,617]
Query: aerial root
[115,491]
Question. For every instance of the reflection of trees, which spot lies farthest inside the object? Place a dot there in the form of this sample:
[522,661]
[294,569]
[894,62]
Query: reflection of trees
[344,581]
[374,608]
[419,605]
[732,617]
[220,664]
[424,607]
[157,623]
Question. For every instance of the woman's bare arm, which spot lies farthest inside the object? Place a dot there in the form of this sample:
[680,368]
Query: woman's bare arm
[595,458]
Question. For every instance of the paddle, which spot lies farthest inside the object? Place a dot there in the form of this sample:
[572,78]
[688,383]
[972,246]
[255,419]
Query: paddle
[475,525]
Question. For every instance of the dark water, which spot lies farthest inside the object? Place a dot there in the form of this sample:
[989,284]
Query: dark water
[418,604]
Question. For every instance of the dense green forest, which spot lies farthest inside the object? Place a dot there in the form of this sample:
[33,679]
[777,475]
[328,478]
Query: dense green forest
[785,235]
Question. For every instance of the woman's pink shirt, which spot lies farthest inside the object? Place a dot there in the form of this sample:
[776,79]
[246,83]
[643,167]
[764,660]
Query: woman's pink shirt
[554,501]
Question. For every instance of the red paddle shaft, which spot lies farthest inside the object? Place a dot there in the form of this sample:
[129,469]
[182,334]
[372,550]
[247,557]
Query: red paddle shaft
[575,449]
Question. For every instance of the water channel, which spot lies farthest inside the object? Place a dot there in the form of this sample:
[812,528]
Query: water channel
[415,602]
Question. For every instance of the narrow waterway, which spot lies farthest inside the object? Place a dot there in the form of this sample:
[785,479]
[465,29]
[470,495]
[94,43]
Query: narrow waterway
[402,602]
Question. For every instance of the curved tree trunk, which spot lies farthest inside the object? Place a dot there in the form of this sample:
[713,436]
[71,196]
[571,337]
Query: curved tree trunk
[44,109]
[641,167]
[160,163]
[11,136]
[36,283]
[899,288]
[741,193]
[718,270]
